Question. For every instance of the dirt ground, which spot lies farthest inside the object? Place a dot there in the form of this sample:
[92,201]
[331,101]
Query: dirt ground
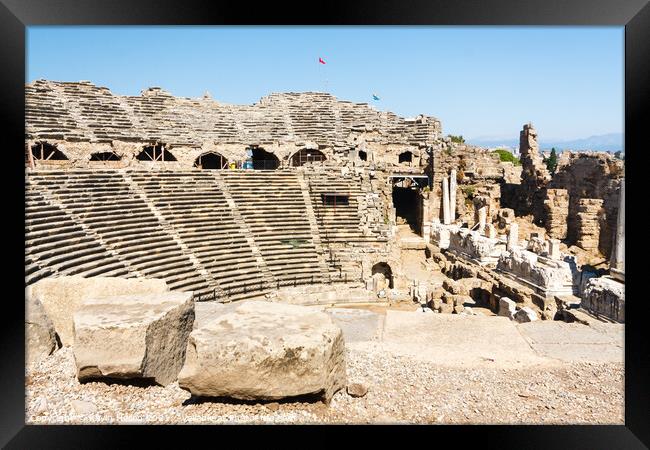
[419,367]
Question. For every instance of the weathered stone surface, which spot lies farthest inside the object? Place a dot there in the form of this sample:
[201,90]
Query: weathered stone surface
[605,296]
[617,260]
[133,336]
[588,223]
[206,311]
[452,286]
[461,300]
[265,351]
[507,307]
[40,337]
[124,118]
[525,314]
[547,276]
[556,208]
[591,175]
[439,235]
[471,244]
[534,174]
[357,390]
[61,296]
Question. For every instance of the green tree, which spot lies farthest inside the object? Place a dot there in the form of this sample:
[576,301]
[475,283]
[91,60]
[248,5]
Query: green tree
[506,155]
[551,161]
[458,139]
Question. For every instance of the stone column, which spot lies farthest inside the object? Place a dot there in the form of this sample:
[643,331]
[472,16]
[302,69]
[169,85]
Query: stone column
[482,219]
[513,236]
[445,202]
[554,249]
[617,260]
[452,196]
[491,231]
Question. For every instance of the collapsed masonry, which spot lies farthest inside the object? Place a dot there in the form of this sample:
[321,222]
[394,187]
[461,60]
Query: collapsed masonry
[570,207]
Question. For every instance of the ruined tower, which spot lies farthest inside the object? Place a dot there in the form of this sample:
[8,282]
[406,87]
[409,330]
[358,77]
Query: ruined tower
[534,174]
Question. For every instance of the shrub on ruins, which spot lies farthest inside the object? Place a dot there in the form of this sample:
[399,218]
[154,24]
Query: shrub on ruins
[507,156]
[457,139]
[468,191]
[551,161]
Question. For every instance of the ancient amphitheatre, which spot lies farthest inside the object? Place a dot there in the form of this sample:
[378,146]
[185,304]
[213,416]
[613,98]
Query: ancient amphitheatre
[307,259]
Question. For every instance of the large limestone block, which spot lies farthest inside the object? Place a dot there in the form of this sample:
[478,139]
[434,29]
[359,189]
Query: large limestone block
[265,351]
[133,336]
[61,296]
[40,337]
[525,314]
[605,296]
[507,308]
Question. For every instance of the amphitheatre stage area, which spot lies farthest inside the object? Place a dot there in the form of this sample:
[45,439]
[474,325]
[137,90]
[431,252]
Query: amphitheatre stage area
[309,259]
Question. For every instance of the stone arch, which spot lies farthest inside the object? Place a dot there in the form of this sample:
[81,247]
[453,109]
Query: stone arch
[263,160]
[304,156]
[44,151]
[383,269]
[105,156]
[406,156]
[156,152]
[211,161]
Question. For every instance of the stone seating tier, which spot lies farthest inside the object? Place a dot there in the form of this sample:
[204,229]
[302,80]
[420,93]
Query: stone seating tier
[239,233]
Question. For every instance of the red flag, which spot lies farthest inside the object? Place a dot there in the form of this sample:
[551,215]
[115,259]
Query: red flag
[320,60]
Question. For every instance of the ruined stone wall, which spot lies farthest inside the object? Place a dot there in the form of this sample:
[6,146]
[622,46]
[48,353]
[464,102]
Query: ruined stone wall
[590,175]
[81,118]
[556,208]
[534,176]
[511,173]
[588,223]
[478,172]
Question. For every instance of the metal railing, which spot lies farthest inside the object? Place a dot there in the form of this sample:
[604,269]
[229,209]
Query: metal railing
[225,295]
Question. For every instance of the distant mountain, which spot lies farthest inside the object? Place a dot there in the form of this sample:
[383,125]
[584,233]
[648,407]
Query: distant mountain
[611,142]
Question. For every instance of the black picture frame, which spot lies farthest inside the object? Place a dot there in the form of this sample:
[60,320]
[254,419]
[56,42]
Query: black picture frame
[15,15]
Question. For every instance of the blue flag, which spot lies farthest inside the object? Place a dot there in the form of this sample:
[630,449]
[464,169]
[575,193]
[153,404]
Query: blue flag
[374,97]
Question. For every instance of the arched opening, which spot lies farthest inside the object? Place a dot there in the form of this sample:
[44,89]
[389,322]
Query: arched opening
[305,156]
[263,160]
[43,151]
[363,156]
[105,156]
[156,152]
[383,274]
[406,156]
[211,161]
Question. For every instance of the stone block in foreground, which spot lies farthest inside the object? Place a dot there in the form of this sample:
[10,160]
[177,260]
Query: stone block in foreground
[40,337]
[507,308]
[61,296]
[259,350]
[133,336]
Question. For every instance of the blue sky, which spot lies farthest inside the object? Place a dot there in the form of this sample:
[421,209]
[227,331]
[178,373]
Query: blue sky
[481,82]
